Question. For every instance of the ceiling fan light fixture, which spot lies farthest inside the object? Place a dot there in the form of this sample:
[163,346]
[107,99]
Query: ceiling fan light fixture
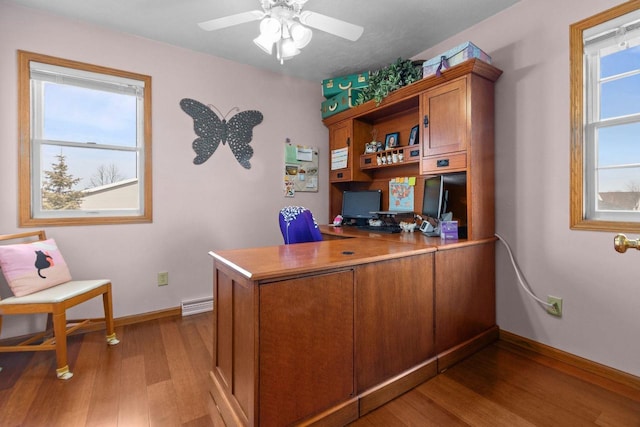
[271,29]
[264,43]
[288,49]
[300,34]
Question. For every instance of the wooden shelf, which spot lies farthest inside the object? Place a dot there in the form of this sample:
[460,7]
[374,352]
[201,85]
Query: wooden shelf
[410,154]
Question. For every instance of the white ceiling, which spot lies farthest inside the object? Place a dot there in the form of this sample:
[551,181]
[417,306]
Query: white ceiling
[392,29]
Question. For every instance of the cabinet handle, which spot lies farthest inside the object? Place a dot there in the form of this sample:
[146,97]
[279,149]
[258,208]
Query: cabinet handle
[426,120]
[442,163]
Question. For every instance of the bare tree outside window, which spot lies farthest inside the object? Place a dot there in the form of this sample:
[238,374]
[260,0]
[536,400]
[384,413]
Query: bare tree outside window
[106,174]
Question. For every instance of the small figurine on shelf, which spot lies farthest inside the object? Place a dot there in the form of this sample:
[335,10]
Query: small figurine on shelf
[370,147]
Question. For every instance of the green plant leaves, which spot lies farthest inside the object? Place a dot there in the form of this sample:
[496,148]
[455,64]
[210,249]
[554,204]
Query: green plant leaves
[385,80]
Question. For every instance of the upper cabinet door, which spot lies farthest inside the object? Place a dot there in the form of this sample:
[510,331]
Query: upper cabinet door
[444,119]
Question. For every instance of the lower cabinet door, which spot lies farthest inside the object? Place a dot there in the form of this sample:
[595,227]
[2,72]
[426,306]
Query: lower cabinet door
[306,346]
[393,318]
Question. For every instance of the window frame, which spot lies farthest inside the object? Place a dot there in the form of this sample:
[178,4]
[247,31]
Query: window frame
[578,147]
[26,154]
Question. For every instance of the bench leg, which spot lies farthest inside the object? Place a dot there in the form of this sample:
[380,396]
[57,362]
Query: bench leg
[60,334]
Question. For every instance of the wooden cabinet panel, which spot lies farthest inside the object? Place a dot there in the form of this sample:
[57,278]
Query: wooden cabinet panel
[393,319]
[465,293]
[234,331]
[306,346]
[444,108]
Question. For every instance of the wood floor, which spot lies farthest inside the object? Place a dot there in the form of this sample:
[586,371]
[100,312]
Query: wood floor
[158,376]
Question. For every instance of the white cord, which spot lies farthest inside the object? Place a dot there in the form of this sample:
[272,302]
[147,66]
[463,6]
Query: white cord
[521,278]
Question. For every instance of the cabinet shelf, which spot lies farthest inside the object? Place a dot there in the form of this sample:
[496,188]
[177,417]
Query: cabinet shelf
[410,154]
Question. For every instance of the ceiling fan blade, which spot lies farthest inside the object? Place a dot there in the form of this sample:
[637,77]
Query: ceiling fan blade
[231,20]
[331,25]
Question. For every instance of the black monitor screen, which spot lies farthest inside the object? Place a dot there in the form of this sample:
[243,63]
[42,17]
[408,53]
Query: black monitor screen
[433,195]
[358,205]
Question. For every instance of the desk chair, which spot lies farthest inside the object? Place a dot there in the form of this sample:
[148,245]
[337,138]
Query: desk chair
[298,225]
[54,301]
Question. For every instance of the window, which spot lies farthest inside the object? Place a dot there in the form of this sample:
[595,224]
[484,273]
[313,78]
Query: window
[605,120]
[85,143]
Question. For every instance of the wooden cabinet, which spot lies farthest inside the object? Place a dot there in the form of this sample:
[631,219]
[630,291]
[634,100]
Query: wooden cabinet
[348,135]
[320,332]
[455,114]
[444,119]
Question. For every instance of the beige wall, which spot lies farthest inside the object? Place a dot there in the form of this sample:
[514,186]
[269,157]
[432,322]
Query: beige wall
[530,43]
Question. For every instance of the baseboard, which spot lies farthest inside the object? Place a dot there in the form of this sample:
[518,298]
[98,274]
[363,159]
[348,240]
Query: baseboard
[120,321]
[571,359]
[394,387]
[145,317]
[451,356]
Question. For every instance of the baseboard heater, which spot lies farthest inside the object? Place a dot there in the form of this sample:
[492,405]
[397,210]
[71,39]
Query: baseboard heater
[196,306]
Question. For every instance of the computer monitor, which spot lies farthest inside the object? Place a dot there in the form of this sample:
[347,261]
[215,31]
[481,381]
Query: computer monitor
[433,201]
[357,206]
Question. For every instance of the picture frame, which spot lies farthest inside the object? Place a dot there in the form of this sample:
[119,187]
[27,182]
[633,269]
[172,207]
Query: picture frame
[413,136]
[392,140]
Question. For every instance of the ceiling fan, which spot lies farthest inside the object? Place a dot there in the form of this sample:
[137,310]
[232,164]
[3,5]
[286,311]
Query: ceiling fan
[284,25]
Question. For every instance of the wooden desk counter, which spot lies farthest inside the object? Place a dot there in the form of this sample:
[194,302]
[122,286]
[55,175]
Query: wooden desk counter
[271,262]
[325,332]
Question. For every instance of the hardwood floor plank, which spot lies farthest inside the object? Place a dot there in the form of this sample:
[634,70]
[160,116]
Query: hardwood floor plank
[469,406]
[155,356]
[103,409]
[432,414]
[189,393]
[31,372]
[133,403]
[163,408]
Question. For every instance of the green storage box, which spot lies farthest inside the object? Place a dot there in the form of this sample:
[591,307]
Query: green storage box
[342,101]
[333,87]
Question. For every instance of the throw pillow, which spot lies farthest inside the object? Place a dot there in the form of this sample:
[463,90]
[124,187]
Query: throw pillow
[31,267]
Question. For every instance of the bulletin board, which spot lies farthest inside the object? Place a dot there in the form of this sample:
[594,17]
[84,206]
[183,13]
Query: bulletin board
[300,169]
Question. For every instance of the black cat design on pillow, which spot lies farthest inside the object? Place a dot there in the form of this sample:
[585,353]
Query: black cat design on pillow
[43,260]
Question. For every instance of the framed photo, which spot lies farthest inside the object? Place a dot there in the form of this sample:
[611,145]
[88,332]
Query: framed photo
[391,141]
[413,136]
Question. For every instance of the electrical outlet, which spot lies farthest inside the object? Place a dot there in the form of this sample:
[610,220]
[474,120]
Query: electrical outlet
[163,278]
[556,309]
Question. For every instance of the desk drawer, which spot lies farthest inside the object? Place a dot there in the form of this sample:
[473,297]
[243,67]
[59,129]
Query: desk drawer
[340,175]
[444,163]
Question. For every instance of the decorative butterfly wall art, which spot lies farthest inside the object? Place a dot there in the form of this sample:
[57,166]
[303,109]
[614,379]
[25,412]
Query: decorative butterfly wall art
[212,130]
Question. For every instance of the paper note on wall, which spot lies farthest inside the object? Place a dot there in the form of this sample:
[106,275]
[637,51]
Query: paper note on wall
[339,158]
